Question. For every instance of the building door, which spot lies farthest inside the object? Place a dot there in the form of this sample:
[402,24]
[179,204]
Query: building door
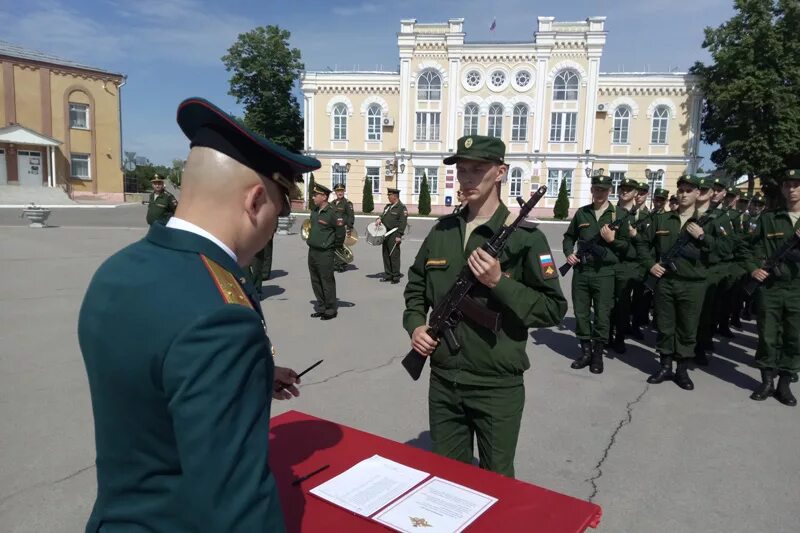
[29,165]
[3,171]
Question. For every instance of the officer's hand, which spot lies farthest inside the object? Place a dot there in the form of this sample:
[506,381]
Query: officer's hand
[423,343]
[632,231]
[573,259]
[378,223]
[287,377]
[485,267]
[657,270]
[695,230]
[398,240]
[760,274]
[607,234]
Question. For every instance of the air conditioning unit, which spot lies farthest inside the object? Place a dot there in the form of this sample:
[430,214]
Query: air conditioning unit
[602,108]
[388,121]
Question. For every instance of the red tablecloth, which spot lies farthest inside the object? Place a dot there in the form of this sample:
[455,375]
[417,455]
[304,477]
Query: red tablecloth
[300,443]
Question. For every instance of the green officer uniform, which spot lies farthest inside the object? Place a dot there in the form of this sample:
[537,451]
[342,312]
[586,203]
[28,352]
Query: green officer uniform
[394,216]
[679,294]
[344,210]
[728,286]
[261,267]
[480,390]
[160,207]
[642,300]
[778,309]
[179,368]
[326,234]
[593,280]
[627,273]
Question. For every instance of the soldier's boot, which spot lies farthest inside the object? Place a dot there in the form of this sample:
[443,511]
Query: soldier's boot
[725,330]
[636,332]
[783,393]
[735,320]
[767,387]
[682,378]
[585,358]
[664,373]
[793,377]
[618,345]
[596,366]
[700,357]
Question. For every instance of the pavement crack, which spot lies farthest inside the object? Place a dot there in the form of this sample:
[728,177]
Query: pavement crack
[355,371]
[45,483]
[627,419]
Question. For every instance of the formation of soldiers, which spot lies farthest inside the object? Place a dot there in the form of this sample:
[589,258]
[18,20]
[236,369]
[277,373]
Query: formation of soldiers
[691,264]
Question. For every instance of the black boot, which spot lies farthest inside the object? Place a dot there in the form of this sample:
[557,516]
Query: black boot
[664,373]
[736,321]
[783,393]
[793,377]
[619,344]
[725,331]
[586,357]
[596,366]
[767,387]
[682,378]
[636,333]
[700,357]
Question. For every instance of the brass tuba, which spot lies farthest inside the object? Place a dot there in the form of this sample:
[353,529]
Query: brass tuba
[305,230]
[344,254]
[352,239]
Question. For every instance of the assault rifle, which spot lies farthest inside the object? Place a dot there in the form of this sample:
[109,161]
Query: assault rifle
[680,248]
[457,303]
[773,263]
[641,225]
[594,246]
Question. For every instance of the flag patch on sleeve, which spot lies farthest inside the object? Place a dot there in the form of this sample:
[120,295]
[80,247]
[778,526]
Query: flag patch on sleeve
[548,266]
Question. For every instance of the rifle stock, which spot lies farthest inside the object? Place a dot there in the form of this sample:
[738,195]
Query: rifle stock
[457,303]
[772,264]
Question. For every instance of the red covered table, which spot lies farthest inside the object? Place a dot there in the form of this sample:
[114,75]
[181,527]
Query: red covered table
[300,443]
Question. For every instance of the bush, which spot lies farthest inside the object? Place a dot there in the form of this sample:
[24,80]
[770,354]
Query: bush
[367,202]
[561,209]
[424,205]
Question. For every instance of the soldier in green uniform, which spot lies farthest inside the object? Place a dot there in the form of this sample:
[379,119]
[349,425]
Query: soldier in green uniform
[660,197]
[182,410]
[642,301]
[261,267]
[327,233]
[595,267]
[161,205]
[778,349]
[480,391]
[679,294]
[717,261]
[627,270]
[344,210]
[461,203]
[730,286]
[395,215]
[673,202]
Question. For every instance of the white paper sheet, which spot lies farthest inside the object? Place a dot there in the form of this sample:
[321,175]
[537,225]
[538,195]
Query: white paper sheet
[437,506]
[369,485]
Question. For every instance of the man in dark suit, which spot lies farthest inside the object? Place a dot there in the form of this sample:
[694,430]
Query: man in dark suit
[182,409]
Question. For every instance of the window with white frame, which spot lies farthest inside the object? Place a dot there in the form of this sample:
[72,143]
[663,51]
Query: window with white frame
[616,178]
[433,179]
[515,183]
[428,126]
[519,124]
[565,86]
[495,121]
[338,176]
[340,122]
[554,178]
[374,177]
[622,122]
[79,166]
[79,116]
[660,124]
[471,114]
[429,86]
[563,127]
[374,122]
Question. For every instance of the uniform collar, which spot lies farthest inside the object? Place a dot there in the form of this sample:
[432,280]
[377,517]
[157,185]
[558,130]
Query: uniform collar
[188,241]
[495,221]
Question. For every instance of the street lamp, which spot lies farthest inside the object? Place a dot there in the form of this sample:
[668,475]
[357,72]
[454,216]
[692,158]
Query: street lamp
[651,179]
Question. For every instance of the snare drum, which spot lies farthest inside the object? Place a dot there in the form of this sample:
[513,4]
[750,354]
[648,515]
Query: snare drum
[375,234]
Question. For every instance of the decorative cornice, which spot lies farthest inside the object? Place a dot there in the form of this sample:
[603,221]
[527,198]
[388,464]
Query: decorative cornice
[497,58]
[642,91]
[358,89]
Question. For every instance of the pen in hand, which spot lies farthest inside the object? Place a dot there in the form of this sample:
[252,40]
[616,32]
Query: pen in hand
[314,473]
[301,374]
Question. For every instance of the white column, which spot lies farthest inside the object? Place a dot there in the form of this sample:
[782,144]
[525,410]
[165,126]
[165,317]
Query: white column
[311,121]
[306,120]
[52,165]
[591,104]
[452,107]
[541,94]
[405,91]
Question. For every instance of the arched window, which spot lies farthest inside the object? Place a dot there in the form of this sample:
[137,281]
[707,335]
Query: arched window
[429,86]
[495,121]
[519,124]
[374,122]
[515,183]
[622,122]
[660,124]
[340,122]
[565,86]
[471,119]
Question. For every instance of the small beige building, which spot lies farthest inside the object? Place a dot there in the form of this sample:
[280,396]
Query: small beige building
[60,124]
[547,99]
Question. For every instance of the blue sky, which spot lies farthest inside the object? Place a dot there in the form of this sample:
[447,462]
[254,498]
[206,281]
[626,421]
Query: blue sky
[171,49]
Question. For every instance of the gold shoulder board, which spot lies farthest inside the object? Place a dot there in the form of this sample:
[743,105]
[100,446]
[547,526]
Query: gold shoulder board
[227,285]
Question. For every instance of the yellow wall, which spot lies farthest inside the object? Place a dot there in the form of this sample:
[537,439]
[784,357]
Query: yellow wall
[27,88]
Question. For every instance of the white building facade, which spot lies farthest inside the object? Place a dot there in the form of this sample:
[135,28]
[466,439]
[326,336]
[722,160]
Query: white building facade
[546,99]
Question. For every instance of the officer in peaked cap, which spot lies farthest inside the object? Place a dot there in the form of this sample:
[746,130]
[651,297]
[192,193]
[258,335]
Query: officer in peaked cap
[182,412]
[344,210]
[327,233]
[394,217]
[162,204]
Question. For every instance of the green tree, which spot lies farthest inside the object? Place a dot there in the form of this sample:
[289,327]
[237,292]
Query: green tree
[752,89]
[310,192]
[264,72]
[367,202]
[424,205]
[561,209]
